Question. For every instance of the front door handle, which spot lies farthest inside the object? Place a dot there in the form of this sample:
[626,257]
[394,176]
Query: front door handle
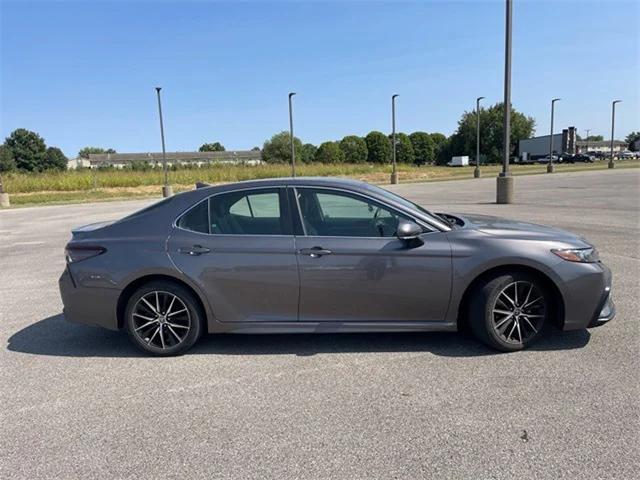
[315,252]
[194,250]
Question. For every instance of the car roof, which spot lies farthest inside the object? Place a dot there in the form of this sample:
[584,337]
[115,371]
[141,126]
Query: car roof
[293,181]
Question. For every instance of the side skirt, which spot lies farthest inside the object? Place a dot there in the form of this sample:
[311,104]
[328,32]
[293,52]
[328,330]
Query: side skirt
[331,327]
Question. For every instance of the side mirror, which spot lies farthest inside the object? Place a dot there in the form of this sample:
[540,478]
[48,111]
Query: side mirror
[408,230]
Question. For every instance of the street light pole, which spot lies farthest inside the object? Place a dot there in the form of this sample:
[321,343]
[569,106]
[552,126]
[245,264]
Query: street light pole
[476,172]
[613,124]
[167,191]
[504,192]
[550,167]
[394,171]
[293,150]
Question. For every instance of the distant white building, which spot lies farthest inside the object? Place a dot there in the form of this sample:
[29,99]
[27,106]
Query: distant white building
[120,160]
[600,146]
[78,163]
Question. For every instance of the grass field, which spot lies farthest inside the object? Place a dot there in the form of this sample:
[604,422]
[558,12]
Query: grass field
[86,186]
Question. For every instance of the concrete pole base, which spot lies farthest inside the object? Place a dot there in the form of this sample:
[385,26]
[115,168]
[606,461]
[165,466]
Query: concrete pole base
[167,191]
[4,200]
[551,168]
[476,173]
[611,164]
[504,193]
[394,178]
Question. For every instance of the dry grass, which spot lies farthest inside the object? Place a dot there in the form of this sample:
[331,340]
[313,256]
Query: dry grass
[86,186]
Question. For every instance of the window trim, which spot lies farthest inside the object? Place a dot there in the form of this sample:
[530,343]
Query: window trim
[294,188]
[285,210]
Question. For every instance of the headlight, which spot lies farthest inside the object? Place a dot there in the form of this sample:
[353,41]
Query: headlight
[583,255]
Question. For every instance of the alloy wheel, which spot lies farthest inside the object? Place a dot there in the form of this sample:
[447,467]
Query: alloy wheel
[518,312]
[161,319]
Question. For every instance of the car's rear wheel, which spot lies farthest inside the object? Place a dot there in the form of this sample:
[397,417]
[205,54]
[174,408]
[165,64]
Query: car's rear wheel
[163,318]
[509,311]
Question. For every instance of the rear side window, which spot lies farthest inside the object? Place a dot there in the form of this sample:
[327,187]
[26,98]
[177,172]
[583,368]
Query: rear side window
[196,219]
[248,212]
[251,212]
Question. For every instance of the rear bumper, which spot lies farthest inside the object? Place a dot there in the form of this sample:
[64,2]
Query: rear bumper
[88,305]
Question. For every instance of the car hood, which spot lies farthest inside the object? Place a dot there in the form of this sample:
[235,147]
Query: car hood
[516,229]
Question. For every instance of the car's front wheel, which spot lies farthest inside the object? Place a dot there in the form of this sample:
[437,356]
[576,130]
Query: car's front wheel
[509,311]
[163,318]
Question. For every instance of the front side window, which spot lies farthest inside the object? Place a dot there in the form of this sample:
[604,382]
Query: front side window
[250,212]
[328,213]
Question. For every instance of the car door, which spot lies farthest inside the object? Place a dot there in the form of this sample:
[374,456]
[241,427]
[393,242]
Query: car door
[354,268]
[238,247]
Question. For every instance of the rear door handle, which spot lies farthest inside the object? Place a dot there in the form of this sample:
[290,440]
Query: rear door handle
[315,252]
[194,250]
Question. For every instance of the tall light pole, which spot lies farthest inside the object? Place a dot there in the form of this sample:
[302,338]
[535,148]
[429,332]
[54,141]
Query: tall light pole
[476,172]
[394,171]
[504,192]
[586,146]
[550,167]
[167,191]
[613,125]
[293,150]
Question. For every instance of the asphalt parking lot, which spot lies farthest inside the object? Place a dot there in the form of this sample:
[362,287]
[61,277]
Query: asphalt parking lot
[80,402]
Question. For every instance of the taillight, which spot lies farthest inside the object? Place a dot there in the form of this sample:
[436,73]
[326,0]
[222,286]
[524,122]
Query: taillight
[77,253]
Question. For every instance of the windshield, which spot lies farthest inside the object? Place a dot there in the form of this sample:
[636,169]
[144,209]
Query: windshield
[403,201]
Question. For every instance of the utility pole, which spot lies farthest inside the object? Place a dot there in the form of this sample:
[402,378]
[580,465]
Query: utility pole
[613,125]
[550,168]
[586,146]
[476,172]
[394,171]
[167,191]
[293,150]
[504,192]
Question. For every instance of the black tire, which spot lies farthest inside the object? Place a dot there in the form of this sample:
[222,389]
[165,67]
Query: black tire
[501,331]
[179,326]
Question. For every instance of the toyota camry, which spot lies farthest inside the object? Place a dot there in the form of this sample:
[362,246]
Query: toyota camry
[307,255]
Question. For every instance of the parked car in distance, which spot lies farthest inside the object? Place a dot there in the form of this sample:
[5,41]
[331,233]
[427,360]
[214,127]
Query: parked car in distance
[312,255]
[627,154]
[545,158]
[577,157]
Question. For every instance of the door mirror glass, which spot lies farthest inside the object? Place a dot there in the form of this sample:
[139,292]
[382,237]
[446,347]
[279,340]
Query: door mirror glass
[408,230]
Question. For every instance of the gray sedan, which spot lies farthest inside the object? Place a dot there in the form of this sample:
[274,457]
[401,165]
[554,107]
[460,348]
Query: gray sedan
[315,255]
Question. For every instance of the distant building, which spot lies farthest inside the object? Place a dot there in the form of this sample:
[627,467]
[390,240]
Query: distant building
[119,160]
[600,146]
[535,147]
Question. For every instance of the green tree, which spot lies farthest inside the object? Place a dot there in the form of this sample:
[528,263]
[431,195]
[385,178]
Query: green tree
[422,147]
[404,148]
[212,147]
[463,141]
[308,153]
[28,149]
[378,147]
[329,152]
[354,149]
[633,141]
[86,151]
[278,148]
[7,163]
[54,159]
[440,144]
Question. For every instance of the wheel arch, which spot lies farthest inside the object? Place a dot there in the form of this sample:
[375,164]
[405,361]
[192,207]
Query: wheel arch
[129,290]
[558,307]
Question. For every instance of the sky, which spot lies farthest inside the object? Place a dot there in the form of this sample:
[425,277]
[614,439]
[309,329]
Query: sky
[83,73]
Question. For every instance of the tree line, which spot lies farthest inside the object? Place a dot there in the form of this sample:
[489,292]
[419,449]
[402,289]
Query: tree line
[27,151]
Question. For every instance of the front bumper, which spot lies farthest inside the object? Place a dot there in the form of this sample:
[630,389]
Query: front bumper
[88,305]
[606,311]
